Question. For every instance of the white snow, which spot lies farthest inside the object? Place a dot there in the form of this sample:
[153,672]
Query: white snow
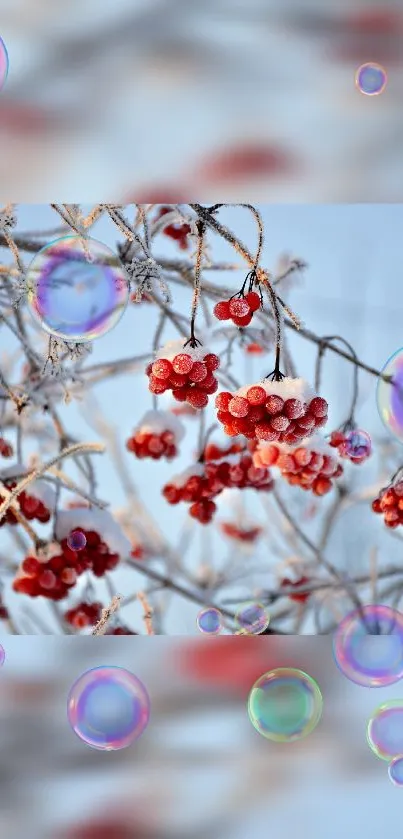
[94,519]
[182,478]
[316,443]
[287,389]
[173,348]
[156,422]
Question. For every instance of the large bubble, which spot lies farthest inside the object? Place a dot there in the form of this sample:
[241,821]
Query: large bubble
[108,708]
[368,646]
[285,705]
[76,292]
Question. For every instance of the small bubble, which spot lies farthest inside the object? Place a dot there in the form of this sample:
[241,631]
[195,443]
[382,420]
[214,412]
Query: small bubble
[252,619]
[371,79]
[209,621]
[76,540]
[2,655]
[385,730]
[395,771]
[357,444]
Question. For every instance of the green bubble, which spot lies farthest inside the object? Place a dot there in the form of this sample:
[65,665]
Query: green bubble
[285,705]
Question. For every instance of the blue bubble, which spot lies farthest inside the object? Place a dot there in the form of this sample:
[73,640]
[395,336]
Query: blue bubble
[209,621]
[371,79]
[395,771]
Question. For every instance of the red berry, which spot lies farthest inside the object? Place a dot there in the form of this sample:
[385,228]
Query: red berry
[197,398]
[162,368]
[198,372]
[157,385]
[264,431]
[280,422]
[238,406]
[31,566]
[211,361]
[318,407]
[274,404]
[239,308]
[222,400]
[47,579]
[182,364]
[221,310]
[256,395]
[254,300]
[242,321]
[294,408]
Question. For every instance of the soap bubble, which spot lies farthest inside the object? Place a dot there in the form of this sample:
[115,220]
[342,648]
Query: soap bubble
[390,395]
[252,619]
[371,79]
[3,63]
[108,708]
[395,771]
[2,655]
[285,705]
[76,540]
[74,297]
[209,621]
[357,444]
[368,646]
[385,730]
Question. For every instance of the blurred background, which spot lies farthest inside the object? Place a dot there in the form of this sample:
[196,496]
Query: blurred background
[200,768]
[249,100]
[350,288]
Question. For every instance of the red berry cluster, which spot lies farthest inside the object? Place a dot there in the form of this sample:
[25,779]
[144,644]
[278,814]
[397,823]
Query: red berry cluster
[6,449]
[204,482]
[190,380]
[239,309]
[84,614]
[31,508]
[304,467]
[301,597]
[260,414]
[248,535]
[145,444]
[54,577]
[390,503]
[178,232]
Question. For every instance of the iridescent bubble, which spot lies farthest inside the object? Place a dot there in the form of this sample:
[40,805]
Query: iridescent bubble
[395,771]
[108,708]
[285,705]
[3,63]
[368,646]
[252,619]
[385,730]
[371,79]
[390,395]
[76,293]
[357,444]
[2,655]
[76,540]
[209,621]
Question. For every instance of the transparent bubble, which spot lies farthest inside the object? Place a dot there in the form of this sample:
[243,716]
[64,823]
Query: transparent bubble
[209,621]
[385,730]
[371,79]
[74,297]
[76,540]
[2,655]
[108,708]
[395,771]
[3,63]
[357,444]
[285,705]
[390,395]
[368,646]
[252,619]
